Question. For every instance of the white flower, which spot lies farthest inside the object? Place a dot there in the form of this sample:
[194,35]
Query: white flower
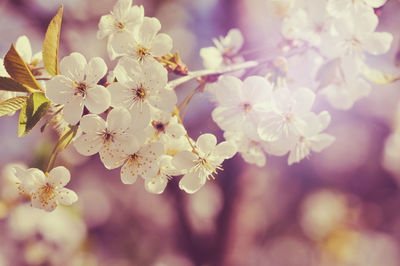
[145,44]
[338,8]
[311,24]
[289,115]
[158,182]
[356,35]
[164,123]
[105,137]
[203,163]
[225,51]
[241,103]
[139,161]
[77,87]
[251,151]
[342,94]
[139,86]
[24,49]
[312,139]
[46,190]
[123,18]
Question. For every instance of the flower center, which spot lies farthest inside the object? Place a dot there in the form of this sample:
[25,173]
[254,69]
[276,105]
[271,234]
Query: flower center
[142,52]
[246,107]
[119,25]
[139,94]
[80,89]
[108,136]
[46,194]
[159,126]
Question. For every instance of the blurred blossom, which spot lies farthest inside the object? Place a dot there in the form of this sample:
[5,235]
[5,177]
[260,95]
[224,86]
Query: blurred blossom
[203,208]
[322,212]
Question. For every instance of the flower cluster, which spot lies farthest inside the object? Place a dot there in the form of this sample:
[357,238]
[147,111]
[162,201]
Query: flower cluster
[342,32]
[130,114]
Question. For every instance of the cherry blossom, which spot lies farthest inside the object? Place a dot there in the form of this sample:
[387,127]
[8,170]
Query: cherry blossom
[46,190]
[105,137]
[311,139]
[145,44]
[202,164]
[240,103]
[140,86]
[139,161]
[225,51]
[123,18]
[77,87]
[157,183]
[289,114]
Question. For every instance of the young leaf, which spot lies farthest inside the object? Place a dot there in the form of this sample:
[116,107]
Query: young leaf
[12,105]
[377,77]
[51,44]
[19,71]
[32,112]
[8,84]
[65,139]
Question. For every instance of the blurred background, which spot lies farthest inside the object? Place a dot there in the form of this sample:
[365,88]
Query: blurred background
[339,207]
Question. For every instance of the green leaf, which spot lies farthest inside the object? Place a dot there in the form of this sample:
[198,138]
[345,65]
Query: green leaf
[12,105]
[65,139]
[19,71]
[377,77]
[51,44]
[8,84]
[32,112]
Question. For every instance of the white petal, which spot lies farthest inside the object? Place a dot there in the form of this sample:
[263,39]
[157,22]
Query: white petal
[225,150]
[95,70]
[377,43]
[233,40]
[112,158]
[321,141]
[118,119]
[206,143]
[73,110]
[304,99]
[73,66]
[212,57]
[124,43]
[98,99]
[92,123]
[48,205]
[192,182]
[230,90]
[154,75]
[156,184]
[128,69]
[120,95]
[59,89]
[365,21]
[162,44]
[128,173]
[88,144]
[66,196]
[59,176]
[140,115]
[324,118]
[148,31]
[375,3]
[164,99]
[23,47]
[106,26]
[184,160]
